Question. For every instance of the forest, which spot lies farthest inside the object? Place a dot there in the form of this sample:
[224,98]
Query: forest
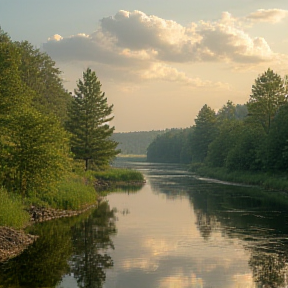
[238,139]
[52,142]
[135,143]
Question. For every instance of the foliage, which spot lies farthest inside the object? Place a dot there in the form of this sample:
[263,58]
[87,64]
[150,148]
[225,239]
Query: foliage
[33,147]
[277,142]
[89,117]
[12,211]
[226,139]
[246,153]
[204,133]
[172,147]
[268,94]
[38,72]
[135,143]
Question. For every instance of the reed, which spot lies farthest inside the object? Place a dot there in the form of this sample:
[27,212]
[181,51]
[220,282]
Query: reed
[73,193]
[12,211]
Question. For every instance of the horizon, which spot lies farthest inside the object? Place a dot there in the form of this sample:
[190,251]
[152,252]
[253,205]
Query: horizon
[158,63]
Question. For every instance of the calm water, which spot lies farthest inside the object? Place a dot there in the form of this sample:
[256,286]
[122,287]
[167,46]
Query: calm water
[176,231]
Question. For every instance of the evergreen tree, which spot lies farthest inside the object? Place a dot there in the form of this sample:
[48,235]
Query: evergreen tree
[204,133]
[89,117]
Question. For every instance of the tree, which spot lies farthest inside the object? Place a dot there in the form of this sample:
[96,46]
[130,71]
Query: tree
[277,142]
[38,72]
[33,147]
[204,133]
[89,117]
[268,94]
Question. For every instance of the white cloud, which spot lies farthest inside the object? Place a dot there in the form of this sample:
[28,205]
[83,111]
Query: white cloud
[269,15]
[145,46]
[136,36]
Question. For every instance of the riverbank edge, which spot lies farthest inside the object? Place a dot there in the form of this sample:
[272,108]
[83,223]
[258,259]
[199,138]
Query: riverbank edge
[14,241]
[266,180]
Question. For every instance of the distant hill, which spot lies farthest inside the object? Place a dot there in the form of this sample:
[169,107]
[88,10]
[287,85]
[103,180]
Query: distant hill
[135,143]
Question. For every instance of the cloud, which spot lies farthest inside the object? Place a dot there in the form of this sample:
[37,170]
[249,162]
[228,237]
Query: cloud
[131,37]
[269,15]
[163,72]
[145,46]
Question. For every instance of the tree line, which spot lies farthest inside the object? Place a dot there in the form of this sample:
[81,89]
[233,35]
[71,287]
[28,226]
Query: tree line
[249,137]
[45,129]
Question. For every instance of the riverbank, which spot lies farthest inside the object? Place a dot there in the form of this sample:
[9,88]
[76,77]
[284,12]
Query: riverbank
[271,181]
[75,195]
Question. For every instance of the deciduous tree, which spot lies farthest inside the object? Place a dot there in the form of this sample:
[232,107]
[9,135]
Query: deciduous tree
[268,94]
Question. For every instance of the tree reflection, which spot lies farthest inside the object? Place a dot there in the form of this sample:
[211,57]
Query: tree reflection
[257,217]
[60,249]
[44,262]
[91,240]
[254,216]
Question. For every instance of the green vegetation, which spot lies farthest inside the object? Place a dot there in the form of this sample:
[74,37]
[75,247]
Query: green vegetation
[135,143]
[12,211]
[45,132]
[119,175]
[240,143]
[89,115]
[171,147]
[73,193]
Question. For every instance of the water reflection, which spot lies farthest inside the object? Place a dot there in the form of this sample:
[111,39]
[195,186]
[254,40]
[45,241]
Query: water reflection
[257,217]
[72,246]
[91,239]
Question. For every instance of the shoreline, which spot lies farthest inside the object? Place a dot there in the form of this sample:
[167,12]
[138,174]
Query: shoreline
[264,180]
[13,241]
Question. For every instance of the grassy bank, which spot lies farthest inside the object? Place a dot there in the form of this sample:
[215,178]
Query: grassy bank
[12,211]
[271,181]
[119,175]
[74,192]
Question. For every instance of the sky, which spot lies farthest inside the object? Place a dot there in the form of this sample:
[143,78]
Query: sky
[158,61]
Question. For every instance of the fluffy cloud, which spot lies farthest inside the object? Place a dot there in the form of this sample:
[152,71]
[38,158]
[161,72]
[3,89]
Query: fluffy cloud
[131,37]
[145,45]
[269,15]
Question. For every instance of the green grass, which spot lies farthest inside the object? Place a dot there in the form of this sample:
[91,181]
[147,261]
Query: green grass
[266,180]
[73,193]
[12,211]
[119,175]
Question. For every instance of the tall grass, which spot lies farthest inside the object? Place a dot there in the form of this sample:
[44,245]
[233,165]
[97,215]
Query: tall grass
[73,193]
[119,175]
[12,211]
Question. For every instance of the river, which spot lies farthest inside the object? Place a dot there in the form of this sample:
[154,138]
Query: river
[176,231]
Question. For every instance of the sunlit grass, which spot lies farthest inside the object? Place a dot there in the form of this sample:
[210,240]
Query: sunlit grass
[73,193]
[119,175]
[12,211]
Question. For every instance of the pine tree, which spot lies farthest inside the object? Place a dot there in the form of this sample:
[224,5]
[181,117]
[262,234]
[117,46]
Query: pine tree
[204,133]
[89,117]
